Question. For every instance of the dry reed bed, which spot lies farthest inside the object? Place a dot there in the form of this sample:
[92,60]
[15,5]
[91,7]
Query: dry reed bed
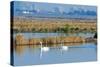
[29,25]
[20,39]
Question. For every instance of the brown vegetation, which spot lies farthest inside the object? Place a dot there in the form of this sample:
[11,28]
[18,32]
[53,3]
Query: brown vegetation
[20,39]
[53,25]
[50,40]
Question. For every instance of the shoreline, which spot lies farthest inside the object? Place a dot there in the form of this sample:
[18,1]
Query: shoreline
[20,39]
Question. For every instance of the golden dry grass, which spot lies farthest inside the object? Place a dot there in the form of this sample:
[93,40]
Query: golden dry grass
[28,25]
[20,39]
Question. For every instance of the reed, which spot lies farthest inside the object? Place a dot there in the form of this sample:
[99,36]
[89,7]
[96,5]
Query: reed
[20,39]
[57,25]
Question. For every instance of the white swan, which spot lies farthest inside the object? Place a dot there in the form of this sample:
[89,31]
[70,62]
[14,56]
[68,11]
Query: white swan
[45,49]
[65,48]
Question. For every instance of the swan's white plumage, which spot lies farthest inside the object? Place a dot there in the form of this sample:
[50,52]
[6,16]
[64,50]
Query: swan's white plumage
[64,48]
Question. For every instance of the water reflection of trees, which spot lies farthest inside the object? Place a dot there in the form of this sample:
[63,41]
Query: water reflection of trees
[20,49]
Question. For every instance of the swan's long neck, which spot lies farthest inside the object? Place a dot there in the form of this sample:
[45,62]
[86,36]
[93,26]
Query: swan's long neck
[41,44]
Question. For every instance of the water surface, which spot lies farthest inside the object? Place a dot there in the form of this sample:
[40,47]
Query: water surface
[29,55]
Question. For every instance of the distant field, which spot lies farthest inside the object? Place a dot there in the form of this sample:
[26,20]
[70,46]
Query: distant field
[54,25]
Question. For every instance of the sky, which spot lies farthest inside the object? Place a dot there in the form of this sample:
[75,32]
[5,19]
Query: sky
[38,9]
[51,6]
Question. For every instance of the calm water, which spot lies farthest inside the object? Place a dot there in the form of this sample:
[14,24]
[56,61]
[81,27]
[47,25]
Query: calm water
[29,55]
[41,35]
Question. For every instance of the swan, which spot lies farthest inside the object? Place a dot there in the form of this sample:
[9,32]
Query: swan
[45,49]
[65,48]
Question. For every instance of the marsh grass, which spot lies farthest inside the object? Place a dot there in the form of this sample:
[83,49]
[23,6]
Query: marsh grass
[56,26]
